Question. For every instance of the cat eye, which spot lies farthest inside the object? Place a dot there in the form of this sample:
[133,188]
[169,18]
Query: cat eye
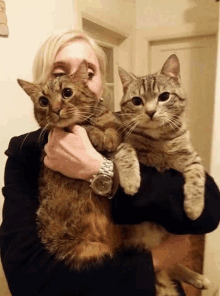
[137,101]
[43,101]
[67,92]
[164,97]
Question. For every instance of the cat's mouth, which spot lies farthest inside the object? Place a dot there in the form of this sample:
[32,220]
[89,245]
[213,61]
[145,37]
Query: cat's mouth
[63,120]
[151,123]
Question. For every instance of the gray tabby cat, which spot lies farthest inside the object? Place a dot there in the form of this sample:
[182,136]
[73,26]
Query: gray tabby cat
[152,112]
[153,109]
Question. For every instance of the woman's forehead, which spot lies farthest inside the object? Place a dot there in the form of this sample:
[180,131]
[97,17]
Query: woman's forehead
[75,52]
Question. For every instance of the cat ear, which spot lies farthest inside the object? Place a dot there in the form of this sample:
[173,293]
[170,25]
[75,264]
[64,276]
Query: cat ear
[171,67]
[126,78]
[81,73]
[28,87]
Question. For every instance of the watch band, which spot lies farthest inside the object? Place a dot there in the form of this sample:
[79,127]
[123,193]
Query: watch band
[103,182]
[107,169]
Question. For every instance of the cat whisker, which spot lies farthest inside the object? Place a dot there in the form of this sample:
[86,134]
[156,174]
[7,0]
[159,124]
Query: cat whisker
[24,141]
[173,123]
[132,128]
[127,125]
[44,130]
[131,125]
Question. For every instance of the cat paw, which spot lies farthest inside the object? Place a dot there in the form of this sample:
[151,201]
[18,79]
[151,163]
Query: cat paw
[111,140]
[201,282]
[97,140]
[110,144]
[194,201]
[193,214]
[131,188]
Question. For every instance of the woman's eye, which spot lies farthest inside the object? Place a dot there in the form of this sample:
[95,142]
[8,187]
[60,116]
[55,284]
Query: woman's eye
[58,74]
[137,101]
[164,97]
[43,101]
[67,92]
[90,75]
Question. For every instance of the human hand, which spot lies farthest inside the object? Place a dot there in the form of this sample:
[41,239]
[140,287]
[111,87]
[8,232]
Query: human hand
[71,153]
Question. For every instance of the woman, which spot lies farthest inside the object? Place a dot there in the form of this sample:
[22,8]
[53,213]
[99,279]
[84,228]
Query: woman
[29,269]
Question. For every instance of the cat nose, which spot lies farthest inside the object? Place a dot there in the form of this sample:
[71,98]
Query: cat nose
[57,111]
[151,113]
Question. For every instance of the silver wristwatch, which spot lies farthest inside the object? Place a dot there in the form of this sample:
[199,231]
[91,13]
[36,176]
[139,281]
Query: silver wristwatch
[102,182]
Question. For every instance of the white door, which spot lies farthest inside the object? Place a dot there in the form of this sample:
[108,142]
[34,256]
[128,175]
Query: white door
[198,66]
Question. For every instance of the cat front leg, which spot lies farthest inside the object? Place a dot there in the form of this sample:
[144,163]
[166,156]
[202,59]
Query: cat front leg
[128,168]
[194,189]
[189,164]
[184,274]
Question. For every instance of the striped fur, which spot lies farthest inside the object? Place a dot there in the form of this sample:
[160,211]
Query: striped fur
[74,224]
[152,114]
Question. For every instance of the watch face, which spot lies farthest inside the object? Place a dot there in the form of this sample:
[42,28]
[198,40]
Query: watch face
[102,185]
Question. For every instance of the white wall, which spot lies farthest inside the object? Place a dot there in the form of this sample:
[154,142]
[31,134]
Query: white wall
[29,22]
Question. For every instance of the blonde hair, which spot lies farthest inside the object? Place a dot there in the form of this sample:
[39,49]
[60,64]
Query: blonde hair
[45,57]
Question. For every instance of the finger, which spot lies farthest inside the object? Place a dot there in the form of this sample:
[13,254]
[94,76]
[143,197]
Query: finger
[58,134]
[46,148]
[46,161]
[50,135]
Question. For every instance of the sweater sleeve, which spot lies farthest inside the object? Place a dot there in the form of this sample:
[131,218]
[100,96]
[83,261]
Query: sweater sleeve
[160,199]
[30,270]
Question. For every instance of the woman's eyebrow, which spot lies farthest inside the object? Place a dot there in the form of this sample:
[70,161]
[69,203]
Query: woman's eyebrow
[91,65]
[59,64]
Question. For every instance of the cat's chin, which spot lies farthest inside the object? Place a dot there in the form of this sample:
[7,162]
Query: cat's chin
[62,123]
[151,124]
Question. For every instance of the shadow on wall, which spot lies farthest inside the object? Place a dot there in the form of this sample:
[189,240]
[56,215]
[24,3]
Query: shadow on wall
[204,11]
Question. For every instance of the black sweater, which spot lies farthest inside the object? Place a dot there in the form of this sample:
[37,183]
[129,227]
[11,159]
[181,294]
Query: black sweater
[30,270]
